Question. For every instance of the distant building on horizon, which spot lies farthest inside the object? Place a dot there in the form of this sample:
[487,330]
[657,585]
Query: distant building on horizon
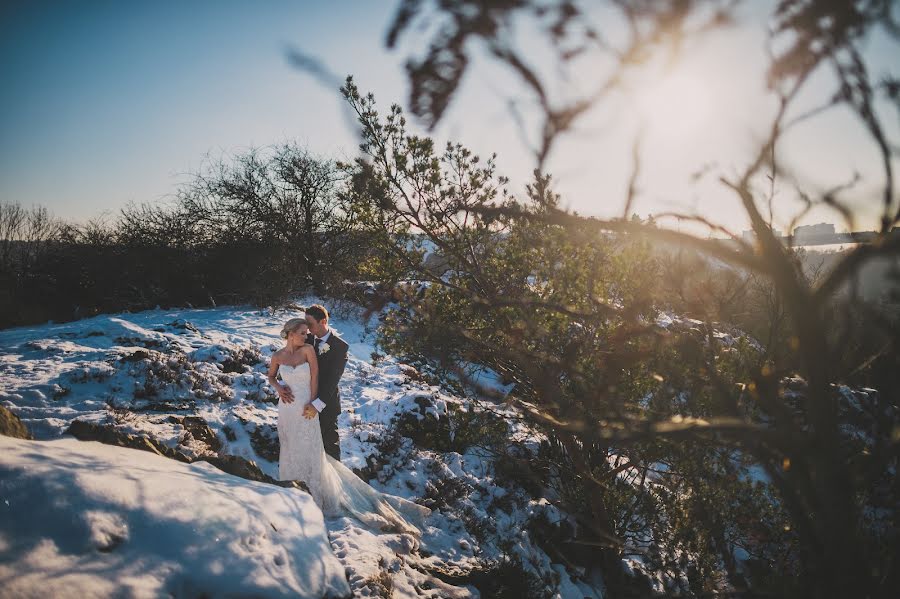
[820,234]
[813,231]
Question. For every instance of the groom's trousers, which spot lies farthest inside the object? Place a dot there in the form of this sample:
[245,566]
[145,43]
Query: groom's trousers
[328,423]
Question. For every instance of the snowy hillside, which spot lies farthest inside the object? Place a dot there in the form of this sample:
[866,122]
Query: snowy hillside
[83,519]
[194,380]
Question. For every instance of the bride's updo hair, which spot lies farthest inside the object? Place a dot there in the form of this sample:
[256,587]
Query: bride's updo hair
[291,326]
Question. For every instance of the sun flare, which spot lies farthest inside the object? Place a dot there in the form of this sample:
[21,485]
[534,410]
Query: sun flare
[674,104]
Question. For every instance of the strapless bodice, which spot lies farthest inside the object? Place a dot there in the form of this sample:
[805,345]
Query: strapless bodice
[298,372]
[298,379]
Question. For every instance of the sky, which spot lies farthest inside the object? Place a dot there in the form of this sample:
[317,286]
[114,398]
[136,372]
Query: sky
[108,103]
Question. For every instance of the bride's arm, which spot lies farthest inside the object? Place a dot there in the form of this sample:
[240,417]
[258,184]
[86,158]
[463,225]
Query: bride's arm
[284,392]
[313,371]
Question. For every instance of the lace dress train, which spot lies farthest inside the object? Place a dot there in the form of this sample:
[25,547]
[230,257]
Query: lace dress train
[336,489]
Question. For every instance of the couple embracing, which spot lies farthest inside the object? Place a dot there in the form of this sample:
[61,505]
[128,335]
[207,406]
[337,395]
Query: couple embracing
[310,367]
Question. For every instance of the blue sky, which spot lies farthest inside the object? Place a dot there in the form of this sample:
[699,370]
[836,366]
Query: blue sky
[107,103]
[110,102]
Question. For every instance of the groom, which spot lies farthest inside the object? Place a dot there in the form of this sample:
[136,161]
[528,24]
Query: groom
[331,351]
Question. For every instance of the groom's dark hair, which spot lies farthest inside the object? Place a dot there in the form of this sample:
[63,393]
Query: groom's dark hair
[317,311]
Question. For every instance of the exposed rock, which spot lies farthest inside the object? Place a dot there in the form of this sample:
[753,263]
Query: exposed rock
[88,431]
[11,426]
[424,403]
[184,325]
[241,360]
[238,466]
[230,464]
[136,356]
[264,439]
[148,343]
[199,430]
[229,433]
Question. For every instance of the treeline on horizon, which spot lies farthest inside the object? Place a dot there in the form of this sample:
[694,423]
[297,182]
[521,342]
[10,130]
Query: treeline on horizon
[257,229]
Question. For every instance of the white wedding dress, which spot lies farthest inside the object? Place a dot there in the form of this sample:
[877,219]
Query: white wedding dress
[334,487]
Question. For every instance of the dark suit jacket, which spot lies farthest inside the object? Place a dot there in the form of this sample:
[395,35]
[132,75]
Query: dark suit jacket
[331,368]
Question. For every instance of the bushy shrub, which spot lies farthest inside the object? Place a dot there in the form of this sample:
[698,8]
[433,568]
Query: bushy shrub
[669,439]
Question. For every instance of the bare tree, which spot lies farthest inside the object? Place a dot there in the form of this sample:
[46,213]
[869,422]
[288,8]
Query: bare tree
[284,196]
[24,234]
[12,216]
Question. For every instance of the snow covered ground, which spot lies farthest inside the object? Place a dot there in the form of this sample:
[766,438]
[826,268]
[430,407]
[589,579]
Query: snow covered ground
[142,374]
[84,519]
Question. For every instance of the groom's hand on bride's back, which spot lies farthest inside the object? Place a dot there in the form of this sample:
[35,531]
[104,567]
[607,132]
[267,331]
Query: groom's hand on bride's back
[285,393]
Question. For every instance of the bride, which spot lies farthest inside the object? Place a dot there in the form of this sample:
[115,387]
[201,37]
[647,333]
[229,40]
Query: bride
[334,487]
